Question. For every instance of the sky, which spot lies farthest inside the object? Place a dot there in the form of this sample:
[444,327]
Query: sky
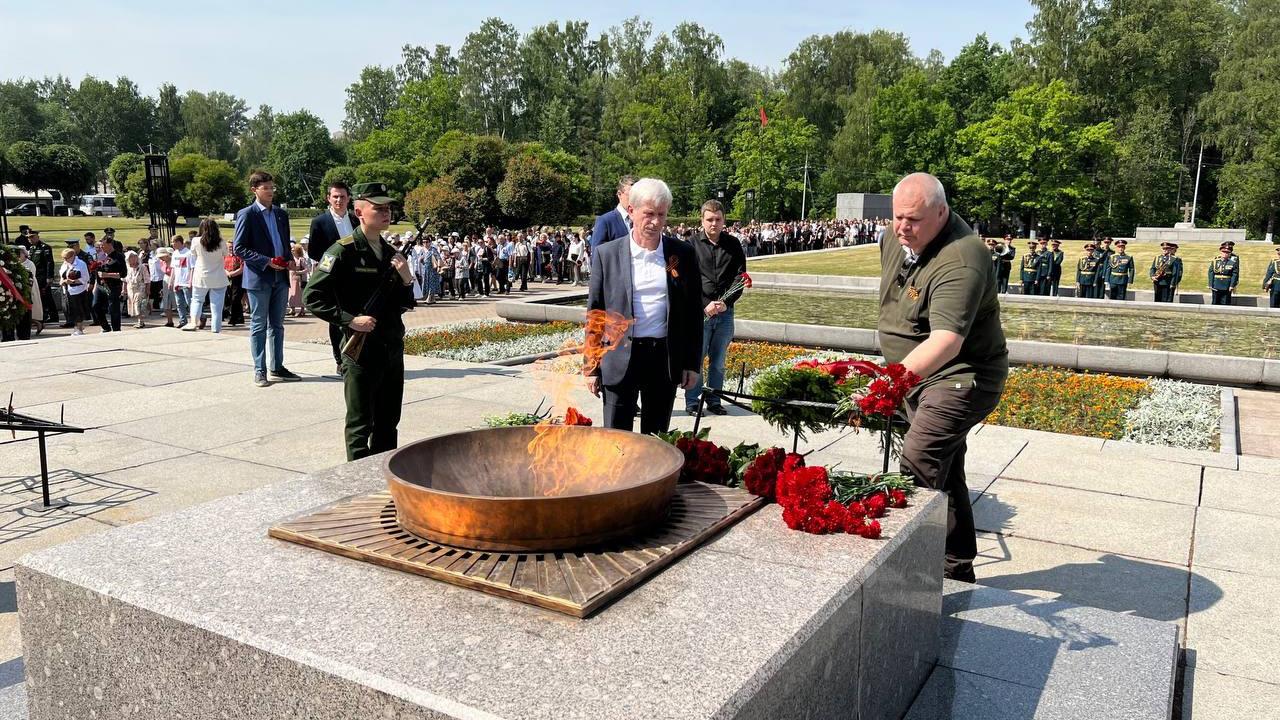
[292,55]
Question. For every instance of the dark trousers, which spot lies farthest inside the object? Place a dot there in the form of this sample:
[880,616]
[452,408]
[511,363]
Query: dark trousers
[482,282]
[1002,282]
[1119,292]
[522,272]
[648,380]
[235,303]
[46,299]
[1029,287]
[106,308]
[500,274]
[21,332]
[1164,293]
[1275,296]
[1054,282]
[1221,297]
[933,453]
[374,390]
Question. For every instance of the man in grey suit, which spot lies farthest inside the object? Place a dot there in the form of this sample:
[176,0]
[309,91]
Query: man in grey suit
[653,282]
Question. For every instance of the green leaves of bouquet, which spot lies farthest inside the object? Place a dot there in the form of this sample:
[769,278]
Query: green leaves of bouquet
[815,395]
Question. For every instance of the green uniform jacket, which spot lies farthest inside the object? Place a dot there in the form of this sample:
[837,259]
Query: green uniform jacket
[1120,269]
[1224,274]
[1087,269]
[1035,266]
[1165,266]
[1272,277]
[1056,258]
[347,276]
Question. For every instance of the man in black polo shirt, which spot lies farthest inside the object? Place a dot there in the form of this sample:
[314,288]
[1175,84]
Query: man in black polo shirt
[111,272]
[940,317]
[720,261]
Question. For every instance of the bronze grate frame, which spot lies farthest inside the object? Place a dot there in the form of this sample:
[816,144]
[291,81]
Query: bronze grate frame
[576,583]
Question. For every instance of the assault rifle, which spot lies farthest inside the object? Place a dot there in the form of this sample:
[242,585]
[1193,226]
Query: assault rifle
[354,346]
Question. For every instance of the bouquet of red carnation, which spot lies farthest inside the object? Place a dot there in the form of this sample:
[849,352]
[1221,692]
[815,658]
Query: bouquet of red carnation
[740,283]
[761,477]
[875,406]
[808,505]
[573,417]
[280,261]
[704,461]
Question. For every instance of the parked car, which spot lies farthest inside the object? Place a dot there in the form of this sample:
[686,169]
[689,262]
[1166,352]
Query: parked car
[28,209]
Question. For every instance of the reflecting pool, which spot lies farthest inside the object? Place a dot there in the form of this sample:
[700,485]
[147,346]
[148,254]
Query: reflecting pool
[1244,336]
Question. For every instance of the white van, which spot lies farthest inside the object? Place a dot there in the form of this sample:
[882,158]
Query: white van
[99,205]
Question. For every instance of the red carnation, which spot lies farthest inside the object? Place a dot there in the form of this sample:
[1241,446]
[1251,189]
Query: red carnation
[870,531]
[573,417]
[762,474]
[876,505]
[898,498]
[792,461]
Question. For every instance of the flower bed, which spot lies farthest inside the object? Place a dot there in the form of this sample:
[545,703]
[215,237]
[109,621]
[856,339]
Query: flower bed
[489,340]
[1177,414]
[1067,402]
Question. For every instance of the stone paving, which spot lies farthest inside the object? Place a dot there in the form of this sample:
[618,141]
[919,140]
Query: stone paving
[1184,537]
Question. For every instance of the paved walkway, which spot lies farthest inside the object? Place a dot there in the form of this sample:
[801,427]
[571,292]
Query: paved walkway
[309,328]
[1184,537]
[1259,415]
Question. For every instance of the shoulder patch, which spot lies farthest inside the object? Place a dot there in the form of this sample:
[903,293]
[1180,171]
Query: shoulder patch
[326,262]
[347,240]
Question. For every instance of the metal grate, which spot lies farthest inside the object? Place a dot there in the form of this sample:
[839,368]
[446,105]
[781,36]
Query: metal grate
[574,583]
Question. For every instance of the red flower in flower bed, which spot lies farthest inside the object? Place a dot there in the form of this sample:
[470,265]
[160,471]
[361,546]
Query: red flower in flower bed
[573,417]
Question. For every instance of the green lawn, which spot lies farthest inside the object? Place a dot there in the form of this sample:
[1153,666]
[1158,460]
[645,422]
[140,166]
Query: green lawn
[864,261]
[57,230]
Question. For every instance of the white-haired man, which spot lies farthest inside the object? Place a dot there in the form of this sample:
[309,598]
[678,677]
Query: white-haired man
[653,282]
[940,317]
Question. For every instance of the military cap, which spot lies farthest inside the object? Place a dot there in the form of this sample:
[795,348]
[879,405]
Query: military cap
[1224,246]
[1055,241]
[375,193]
[73,241]
[110,231]
[1230,243]
[1122,242]
[32,231]
[1173,245]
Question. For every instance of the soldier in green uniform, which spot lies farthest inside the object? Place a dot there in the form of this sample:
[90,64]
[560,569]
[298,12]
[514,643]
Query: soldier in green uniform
[1162,273]
[1120,271]
[1224,275]
[1087,269]
[1271,282]
[1030,274]
[363,285]
[1056,258]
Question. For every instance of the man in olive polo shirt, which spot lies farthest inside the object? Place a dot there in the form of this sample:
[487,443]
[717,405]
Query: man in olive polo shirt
[940,317]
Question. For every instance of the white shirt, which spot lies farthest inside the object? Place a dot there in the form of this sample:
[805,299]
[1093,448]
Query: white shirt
[343,222]
[75,264]
[208,266]
[625,217]
[648,291]
[182,262]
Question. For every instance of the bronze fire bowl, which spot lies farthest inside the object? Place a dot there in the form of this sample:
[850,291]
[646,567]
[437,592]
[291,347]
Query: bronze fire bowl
[478,489]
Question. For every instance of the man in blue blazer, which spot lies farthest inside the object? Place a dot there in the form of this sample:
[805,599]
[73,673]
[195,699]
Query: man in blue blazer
[262,242]
[650,284]
[328,228]
[615,223]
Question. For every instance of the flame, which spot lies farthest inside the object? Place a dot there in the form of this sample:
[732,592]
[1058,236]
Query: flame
[563,460]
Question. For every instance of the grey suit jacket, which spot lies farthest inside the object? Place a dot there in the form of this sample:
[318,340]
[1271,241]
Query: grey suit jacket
[611,289]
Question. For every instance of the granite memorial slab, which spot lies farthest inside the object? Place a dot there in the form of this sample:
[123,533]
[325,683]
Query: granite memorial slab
[200,614]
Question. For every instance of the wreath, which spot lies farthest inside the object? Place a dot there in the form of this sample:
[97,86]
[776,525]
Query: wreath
[15,288]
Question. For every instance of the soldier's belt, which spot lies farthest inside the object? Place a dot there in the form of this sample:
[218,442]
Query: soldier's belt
[1222,277]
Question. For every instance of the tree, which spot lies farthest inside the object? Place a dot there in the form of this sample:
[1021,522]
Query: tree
[532,193]
[49,167]
[1036,157]
[770,162]
[1242,115]
[915,127]
[1058,33]
[256,141]
[169,127]
[20,117]
[212,122]
[821,70]
[204,186]
[131,199]
[447,207]
[370,101]
[487,67]
[425,110]
[396,175]
[979,76]
[301,152]
[109,119]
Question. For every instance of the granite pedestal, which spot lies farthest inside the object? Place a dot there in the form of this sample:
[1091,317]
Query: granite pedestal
[200,615]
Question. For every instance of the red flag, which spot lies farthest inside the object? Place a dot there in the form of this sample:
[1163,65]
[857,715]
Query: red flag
[764,119]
